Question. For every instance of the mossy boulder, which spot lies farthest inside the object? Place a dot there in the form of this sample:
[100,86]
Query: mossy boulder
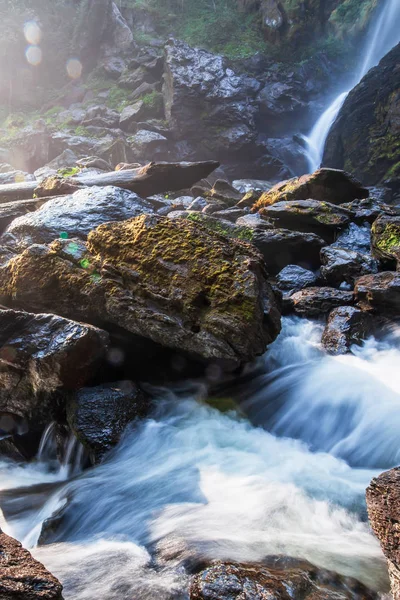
[172,281]
[314,216]
[328,185]
[365,138]
[385,239]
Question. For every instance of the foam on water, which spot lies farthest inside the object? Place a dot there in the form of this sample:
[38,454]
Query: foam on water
[290,482]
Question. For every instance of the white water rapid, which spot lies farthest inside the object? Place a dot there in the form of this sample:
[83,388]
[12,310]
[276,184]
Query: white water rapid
[383,36]
[191,482]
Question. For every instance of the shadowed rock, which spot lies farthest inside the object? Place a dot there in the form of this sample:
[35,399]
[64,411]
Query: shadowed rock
[39,354]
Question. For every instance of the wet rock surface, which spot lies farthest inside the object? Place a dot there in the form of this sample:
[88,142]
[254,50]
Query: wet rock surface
[380,292]
[318,301]
[294,278]
[346,326]
[22,577]
[342,265]
[283,580]
[99,415]
[174,282]
[41,353]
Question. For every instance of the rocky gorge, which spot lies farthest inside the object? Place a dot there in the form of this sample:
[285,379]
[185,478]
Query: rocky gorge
[199,337]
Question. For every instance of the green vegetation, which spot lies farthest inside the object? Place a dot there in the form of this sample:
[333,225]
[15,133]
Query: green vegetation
[388,239]
[68,171]
[220,25]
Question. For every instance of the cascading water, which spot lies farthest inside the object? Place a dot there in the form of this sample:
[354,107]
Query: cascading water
[384,35]
[192,483]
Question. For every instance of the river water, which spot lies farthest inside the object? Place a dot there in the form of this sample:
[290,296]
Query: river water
[284,473]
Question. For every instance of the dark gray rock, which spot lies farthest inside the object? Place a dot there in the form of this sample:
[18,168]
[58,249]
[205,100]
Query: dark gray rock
[294,278]
[372,106]
[342,265]
[198,204]
[346,326]
[98,416]
[355,237]
[40,354]
[282,247]
[380,292]
[311,216]
[206,101]
[318,301]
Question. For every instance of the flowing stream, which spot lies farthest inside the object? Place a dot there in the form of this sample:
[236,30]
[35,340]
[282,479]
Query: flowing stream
[284,473]
[383,36]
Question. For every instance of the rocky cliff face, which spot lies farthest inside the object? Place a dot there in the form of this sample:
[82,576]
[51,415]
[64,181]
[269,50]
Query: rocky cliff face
[365,138]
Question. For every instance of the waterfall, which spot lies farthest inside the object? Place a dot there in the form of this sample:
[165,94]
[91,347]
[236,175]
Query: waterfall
[383,36]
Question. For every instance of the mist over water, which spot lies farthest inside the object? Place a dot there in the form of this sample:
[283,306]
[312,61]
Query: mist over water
[384,34]
[192,483]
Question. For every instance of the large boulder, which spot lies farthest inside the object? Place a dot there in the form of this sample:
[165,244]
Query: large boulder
[346,326]
[365,137]
[22,577]
[74,216]
[380,292]
[98,416]
[285,579]
[327,185]
[383,501]
[312,216]
[41,353]
[385,239]
[206,101]
[172,281]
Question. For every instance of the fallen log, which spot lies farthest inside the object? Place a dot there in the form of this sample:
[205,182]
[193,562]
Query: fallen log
[154,178]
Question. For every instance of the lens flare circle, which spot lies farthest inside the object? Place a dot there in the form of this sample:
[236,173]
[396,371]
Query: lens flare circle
[74,68]
[34,55]
[32,33]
